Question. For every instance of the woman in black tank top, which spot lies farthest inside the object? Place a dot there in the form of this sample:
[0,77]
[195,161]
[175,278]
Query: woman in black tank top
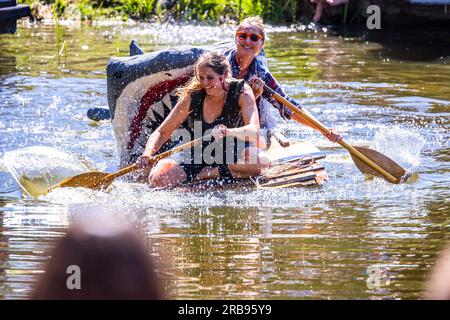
[214,104]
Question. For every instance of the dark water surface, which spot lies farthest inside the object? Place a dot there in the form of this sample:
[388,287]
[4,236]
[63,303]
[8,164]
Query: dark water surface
[321,243]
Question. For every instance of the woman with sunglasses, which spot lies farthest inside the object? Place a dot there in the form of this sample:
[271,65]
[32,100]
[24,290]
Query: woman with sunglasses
[221,107]
[248,62]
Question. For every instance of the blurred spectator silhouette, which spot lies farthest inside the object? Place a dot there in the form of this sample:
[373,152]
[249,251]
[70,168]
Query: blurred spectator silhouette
[113,263]
[438,284]
[321,5]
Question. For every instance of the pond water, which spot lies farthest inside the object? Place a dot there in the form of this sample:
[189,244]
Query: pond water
[390,93]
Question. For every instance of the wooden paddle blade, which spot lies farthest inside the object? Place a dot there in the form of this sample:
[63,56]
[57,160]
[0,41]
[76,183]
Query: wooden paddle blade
[380,159]
[90,180]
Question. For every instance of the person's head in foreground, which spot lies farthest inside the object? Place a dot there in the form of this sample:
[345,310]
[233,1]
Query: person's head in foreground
[438,284]
[98,258]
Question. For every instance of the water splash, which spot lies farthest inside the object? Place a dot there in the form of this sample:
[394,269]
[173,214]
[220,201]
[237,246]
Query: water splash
[401,145]
[37,168]
[139,197]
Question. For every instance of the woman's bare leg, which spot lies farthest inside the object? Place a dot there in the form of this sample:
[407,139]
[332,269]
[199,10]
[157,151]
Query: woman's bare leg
[319,10]
[253,162]
[208,173]
[336,2]
[166,173]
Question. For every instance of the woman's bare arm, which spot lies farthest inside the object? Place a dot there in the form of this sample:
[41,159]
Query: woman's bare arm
[247,103]
[175,118]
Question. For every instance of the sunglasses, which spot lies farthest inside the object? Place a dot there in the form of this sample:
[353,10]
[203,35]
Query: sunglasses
[253,36]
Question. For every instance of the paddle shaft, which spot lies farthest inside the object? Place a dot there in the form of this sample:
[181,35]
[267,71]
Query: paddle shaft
[158,157]
[306,116]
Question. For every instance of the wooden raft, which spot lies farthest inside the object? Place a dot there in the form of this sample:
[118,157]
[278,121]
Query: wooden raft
[293,166]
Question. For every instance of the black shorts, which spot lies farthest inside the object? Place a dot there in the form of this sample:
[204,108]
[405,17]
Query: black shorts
[193,169]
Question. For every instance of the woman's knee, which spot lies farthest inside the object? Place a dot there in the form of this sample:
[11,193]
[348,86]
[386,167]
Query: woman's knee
[263,161]
[253,161]
[165,174]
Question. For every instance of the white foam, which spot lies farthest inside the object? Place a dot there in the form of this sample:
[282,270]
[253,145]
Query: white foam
[40,167]
[401,145]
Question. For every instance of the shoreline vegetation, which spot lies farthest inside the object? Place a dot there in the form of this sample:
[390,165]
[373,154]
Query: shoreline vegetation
[208,11]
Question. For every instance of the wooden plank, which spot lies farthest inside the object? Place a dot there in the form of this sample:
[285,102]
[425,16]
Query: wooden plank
[282,140]
[308,178]
[294,171]
[307,183]
[296,150]
[293,166]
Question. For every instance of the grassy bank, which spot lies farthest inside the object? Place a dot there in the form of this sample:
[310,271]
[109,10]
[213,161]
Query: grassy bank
[287,11]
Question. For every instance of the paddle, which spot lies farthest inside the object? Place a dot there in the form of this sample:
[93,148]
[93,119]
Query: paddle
[101,180]
[367,160]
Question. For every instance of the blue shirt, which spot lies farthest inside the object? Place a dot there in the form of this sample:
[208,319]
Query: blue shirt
[260,68]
